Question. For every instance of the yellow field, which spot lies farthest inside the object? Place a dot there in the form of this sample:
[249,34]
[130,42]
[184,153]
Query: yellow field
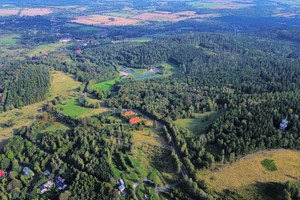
[46,48]
[62,84]
[249,171]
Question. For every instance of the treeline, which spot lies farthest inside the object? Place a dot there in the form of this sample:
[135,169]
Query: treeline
[23,85]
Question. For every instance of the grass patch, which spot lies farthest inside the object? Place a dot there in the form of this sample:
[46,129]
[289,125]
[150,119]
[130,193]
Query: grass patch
[250,171]
[198,124]
[8,40]
[46,48]
[170,69]
[106,85]
[57,126]
[269,164]
[73,108]
[141,40]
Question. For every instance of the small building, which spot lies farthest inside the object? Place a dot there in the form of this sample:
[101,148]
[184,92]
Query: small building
[28,172]
[121,185]
[47,172]
[79,51]
[134,120]
[283,124]
[121,188]
[128,113]
[46,186]
[59,182]
[3,174]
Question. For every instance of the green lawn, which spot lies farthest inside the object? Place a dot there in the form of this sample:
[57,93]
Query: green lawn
[46,48]
[8,40]
[117,14]
[107,85]
[141,40]
[198,124]
[205,5]
[73,108]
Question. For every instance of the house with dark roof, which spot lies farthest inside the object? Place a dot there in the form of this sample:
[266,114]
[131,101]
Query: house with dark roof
[59,182]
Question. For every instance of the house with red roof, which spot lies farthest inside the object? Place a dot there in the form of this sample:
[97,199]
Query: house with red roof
[128,113]
[134,120]
[3,173]
[79,51]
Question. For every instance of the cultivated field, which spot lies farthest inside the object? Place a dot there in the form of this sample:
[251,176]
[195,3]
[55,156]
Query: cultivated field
[46,48]
[249,171]
[35,11]
[223,4]
[8,12]
[107,20]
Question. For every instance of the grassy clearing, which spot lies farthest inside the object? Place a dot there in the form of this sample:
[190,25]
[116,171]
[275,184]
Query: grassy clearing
[46,48]
[198,124]
[107,85]
[269,164]
[141,40]
[8,40]
[150,135]
[55,127]
[62,84]
[73,108]
[170,69]
[249,171]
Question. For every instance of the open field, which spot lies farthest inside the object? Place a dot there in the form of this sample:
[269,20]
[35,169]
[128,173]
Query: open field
[107,20]
[46,48]
[8,12]
[170,69]
[151,136]
[61,84]
[198,124]
[106,85]
[35,11]
[222,4]
[8,40]
[249,171]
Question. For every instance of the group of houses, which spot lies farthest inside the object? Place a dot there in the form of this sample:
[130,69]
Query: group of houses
[58,181]
[132,120]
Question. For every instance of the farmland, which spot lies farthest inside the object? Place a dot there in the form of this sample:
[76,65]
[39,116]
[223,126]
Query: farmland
[248,171]
[42,49]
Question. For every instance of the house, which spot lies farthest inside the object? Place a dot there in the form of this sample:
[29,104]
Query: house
[283,124]
[47,172]
[134,120]
[46,186]
[59,182]
[128,113]
[121,185]
[28,172]
[3,173]
[79,51]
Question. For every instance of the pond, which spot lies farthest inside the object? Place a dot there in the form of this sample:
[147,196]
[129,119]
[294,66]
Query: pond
[129,71]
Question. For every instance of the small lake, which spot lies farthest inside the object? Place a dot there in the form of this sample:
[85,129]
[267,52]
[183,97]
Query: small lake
[129,71]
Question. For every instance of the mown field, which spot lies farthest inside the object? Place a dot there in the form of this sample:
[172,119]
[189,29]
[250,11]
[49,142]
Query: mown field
[42,49]
[107,85]
[247,175]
